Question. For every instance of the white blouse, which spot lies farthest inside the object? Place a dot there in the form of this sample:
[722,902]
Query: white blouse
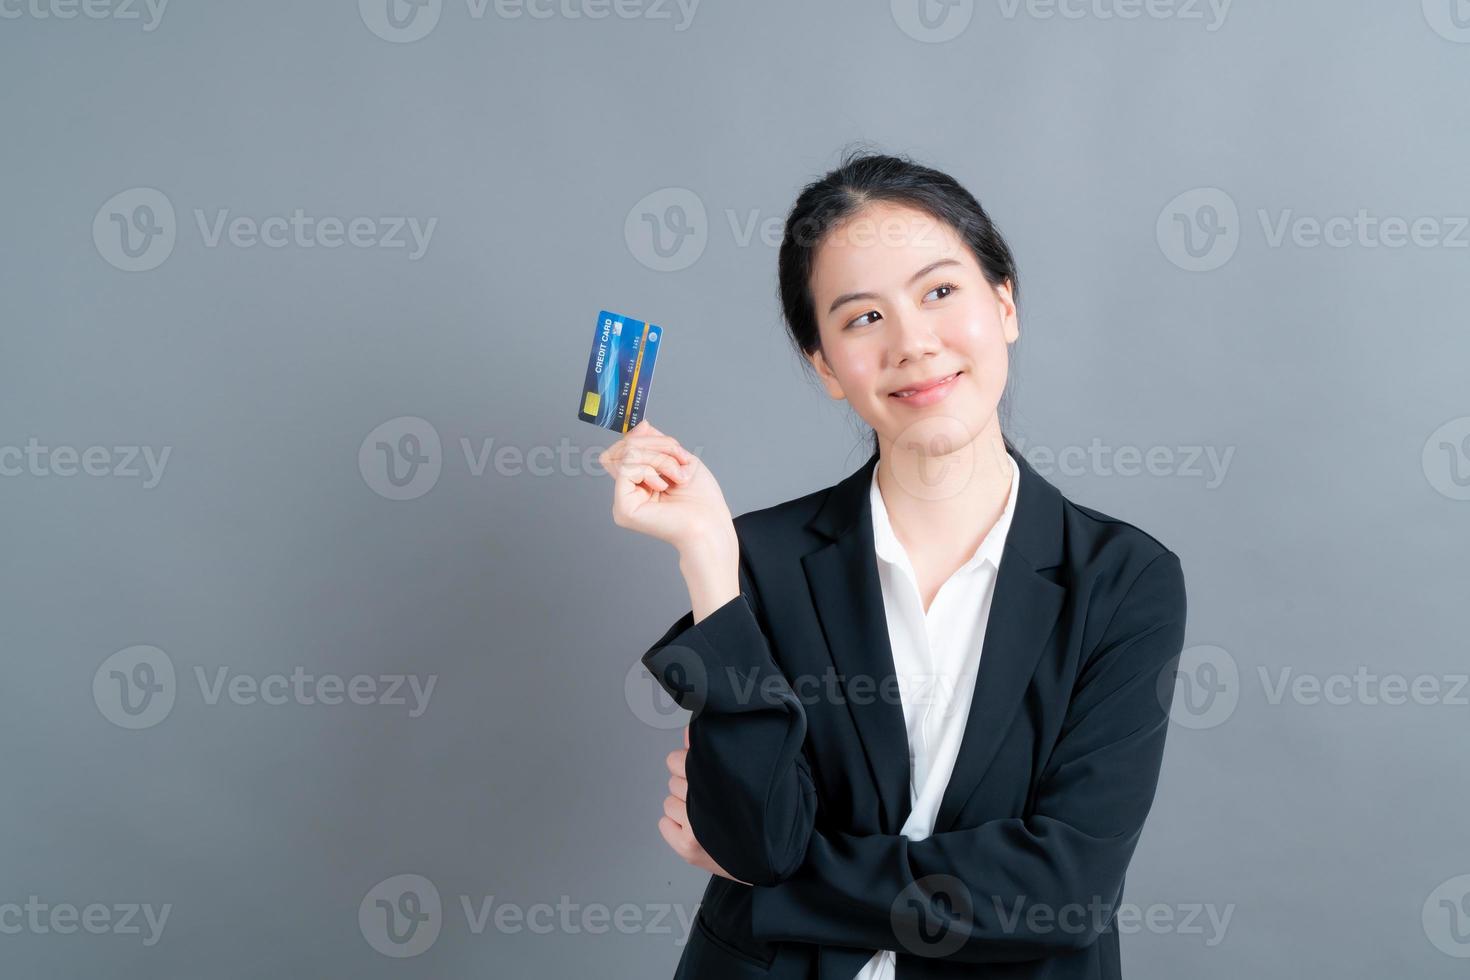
[936,656]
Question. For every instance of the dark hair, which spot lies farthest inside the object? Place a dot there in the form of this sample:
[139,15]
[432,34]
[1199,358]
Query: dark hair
[860,179]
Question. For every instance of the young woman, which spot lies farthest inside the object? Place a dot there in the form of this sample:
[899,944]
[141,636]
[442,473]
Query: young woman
[928,702]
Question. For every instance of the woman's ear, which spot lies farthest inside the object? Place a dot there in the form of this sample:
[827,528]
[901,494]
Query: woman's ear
[1010,323]
[824,371]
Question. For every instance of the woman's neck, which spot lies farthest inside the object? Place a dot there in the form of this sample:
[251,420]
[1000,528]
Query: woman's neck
[941,505]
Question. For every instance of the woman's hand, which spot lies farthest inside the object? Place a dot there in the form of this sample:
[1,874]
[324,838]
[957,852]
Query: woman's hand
[663,490]
[674,824]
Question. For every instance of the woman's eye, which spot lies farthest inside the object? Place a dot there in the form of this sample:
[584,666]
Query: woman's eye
[946,286]
[857,322]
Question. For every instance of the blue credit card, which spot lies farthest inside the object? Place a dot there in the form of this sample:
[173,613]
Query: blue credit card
[619,372]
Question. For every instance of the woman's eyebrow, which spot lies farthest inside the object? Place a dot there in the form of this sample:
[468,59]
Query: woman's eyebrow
[849,297]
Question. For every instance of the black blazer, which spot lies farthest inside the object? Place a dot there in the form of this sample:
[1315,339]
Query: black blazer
[798,762]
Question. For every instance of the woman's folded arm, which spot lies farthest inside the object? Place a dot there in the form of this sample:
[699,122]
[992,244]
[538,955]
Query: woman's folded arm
[1015,888]
[751,799]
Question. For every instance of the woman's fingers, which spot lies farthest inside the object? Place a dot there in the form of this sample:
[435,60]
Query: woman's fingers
[676,810]
[643,473]
[668,467]
[672,832]
[630,444]
[637,466]
[677,836]
[676,762]
[667,444]
[635,441]
[679,786]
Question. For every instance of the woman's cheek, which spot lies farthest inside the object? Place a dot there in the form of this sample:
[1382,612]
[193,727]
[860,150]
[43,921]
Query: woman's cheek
[860,372]
[980,332]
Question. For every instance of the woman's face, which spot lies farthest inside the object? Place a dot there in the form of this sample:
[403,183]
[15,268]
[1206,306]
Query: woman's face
[901,303]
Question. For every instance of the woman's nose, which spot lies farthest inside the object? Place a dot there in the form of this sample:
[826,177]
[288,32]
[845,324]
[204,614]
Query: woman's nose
[911,337]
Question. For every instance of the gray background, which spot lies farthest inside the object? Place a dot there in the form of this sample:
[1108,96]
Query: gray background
[1335,375]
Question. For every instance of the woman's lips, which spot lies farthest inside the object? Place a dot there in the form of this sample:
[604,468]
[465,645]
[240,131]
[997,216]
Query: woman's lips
[929,395]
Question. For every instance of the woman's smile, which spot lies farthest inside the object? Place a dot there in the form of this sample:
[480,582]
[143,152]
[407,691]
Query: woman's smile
[926,392]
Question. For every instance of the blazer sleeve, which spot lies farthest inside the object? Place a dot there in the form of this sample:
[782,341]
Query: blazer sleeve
[961,890]
[752,803]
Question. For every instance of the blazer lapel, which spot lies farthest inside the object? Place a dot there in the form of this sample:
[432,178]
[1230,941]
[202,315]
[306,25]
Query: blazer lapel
[1023,616]
[843,578]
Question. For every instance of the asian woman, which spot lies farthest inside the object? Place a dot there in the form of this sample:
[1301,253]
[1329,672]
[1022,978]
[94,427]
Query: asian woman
[928,702]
